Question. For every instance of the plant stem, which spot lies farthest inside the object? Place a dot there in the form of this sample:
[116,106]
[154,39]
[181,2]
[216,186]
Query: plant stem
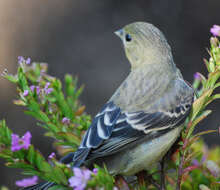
[180,173]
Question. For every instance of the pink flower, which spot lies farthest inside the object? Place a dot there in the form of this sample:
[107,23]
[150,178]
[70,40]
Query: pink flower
[38,90]
[21,59]
[28,61]
[80,178]
[215,30]
[197,76]
[52,155]
[195,162]
[47,90]
[27,182]
[19,143]
[33,87]
[47,85]
[95,171]
[66,121]
[213,168]
[25,93]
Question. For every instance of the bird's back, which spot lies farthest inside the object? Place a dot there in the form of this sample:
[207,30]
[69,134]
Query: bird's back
[145,87]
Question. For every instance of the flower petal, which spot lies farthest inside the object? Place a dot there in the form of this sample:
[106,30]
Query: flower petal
[78,172]
[26,140]
[27,182]
[87,174]
[15,146]
[75,181]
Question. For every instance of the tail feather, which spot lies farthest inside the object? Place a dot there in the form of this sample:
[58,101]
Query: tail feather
[80,156]
[68,158]
[40,186]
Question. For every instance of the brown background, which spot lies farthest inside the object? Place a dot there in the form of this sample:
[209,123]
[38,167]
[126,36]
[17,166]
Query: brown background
[77,37]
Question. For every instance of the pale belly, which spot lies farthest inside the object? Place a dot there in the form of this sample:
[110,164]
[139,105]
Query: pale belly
[143,156]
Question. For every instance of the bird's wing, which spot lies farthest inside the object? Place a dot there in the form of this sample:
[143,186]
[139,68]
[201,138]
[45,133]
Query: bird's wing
[100,130]
[113,129]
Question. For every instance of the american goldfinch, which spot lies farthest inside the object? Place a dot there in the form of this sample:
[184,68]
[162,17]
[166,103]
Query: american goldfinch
[144,117]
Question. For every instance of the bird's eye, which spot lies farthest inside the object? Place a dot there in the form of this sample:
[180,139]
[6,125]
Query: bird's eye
[128,37]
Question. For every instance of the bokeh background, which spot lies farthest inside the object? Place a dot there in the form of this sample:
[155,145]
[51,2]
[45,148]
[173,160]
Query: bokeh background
[77,37]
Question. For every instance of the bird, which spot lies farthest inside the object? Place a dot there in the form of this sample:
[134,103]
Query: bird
[144,117]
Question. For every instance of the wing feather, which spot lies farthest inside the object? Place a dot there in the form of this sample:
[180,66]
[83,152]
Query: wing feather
[113,129]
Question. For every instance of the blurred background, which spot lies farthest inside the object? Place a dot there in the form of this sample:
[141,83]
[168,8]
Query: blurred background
[77,37]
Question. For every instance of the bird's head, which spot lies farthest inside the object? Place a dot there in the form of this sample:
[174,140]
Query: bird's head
[144,44]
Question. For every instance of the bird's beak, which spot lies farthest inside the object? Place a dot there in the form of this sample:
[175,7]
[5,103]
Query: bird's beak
[119,33]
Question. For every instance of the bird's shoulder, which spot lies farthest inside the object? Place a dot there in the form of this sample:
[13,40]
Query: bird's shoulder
[177,93]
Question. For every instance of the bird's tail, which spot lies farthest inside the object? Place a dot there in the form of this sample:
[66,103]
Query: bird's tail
[40,186]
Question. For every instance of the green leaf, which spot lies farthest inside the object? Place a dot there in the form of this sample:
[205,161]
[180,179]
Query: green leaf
[53,127]
[44,117]
[213,77]
[33,172]
[70,137]
[213,97]
[59,176]
[217,85]
[59,187]
[46,167]
[205,133]
[22,79]
[62,104]
[39,159]
[33,105]
[199,104]
[5,134]
[11,78]
[6,157]
[33,114]
[215,185]
[21,165]
[31,155]
[197,120]
[41,116]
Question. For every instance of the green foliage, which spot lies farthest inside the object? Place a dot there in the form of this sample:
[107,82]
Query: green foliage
[102,179]
[205,87]
[51,108]
[60,113]
[31,160]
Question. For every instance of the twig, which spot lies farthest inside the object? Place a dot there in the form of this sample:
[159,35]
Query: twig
[162,176]
[121,183]
[151,180]
[180,173]
[180,168]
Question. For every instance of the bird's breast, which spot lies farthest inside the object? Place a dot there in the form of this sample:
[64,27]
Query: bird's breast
[142,156]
